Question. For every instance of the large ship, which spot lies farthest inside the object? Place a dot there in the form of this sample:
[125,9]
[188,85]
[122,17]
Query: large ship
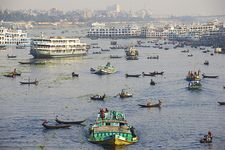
[111,128]
[57,47]
[11,37]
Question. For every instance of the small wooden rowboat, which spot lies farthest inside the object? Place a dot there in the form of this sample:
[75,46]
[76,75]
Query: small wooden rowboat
[132,75]
[69,122]
[98,97]
[152,105]
[221,103]
[75,74]
[57,126]
[148,74]
[157,73]
[206,140]
[206,76]
[115,56]
[11,56]
[29,82]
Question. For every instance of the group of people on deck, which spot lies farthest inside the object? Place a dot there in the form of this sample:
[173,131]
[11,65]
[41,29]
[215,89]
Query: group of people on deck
[102,112]
[193,74]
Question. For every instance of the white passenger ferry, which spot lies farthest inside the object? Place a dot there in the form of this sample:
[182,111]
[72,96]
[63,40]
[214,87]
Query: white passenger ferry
[57,47]
[11,37]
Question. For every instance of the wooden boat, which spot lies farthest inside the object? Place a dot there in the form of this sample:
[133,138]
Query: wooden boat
[97,97]
[185,51]
[206,62]
[125,94]
[152,82]
[206,140]
[20,47]
[75,74]
[133,75]
[29,82]
[221,103]
[157,73]
[148,74]
[115,56]
[207,76]
[31,63]
[153,57]
[96,53]
[68,122]
[194,85]
[131,58]
[9,75]
[105,50]
[151,105]
[11,56]
[111,128]
[13,74]
[57,126]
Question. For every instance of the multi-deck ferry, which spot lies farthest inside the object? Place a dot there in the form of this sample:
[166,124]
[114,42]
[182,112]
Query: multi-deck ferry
[57,47]
[10,37]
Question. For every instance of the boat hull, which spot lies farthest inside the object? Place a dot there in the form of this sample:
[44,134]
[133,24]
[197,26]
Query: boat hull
[48,54]
[114,140]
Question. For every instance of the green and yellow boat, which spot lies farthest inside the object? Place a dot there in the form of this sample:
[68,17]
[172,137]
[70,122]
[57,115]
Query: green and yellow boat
[111,128]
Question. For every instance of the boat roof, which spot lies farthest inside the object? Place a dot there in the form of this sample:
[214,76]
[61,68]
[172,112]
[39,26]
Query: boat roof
[122,129]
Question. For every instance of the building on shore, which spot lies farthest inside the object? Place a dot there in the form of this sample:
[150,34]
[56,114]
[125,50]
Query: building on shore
[102,31]
[9,37]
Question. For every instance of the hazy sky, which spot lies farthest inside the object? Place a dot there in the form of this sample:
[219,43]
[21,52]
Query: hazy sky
[165,7]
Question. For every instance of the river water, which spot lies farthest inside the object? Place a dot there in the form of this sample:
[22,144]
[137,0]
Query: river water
[184,118]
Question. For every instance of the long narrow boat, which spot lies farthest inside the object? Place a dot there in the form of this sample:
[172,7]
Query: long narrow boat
[75,74]
[68,122]
[29,82]
[221,103]
[57,126]
[148,74]
[31,63]
[207,76]
[12,74]
[11,56]
[133,75]
[97,97]
[157,73]
[151,105]
[115,56]
[111,128]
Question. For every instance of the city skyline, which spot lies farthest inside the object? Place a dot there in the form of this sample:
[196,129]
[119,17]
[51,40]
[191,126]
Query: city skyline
[159,7]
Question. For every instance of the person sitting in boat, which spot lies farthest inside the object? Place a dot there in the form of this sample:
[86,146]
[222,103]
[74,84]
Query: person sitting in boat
[148,103]
[209,136]
[14,72]
[152,82]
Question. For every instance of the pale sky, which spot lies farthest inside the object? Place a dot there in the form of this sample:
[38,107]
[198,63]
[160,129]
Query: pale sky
[158,7]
